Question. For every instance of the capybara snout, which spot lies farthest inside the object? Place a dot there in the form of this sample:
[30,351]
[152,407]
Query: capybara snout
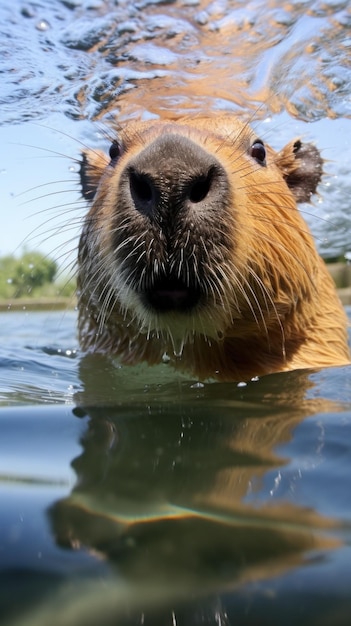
[160,195]
[194,247]
[177,214]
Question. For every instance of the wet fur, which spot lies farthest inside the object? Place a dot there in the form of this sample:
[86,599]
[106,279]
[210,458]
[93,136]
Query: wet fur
[269,303]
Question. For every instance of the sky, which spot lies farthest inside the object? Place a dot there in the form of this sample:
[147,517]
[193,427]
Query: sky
[34,180]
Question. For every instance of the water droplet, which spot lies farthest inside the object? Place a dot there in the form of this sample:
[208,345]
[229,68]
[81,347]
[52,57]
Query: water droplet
[178,346]
[116,364]
[42,25]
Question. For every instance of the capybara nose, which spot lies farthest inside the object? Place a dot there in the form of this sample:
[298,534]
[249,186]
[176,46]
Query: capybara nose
[174,174]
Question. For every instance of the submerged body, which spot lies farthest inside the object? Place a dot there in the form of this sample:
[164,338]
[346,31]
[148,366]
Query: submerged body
[194,247]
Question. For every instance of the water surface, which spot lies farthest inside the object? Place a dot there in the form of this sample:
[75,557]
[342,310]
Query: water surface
[136,495]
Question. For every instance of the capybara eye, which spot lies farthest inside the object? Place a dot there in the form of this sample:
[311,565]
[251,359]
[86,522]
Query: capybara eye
[115,150]
[258,152]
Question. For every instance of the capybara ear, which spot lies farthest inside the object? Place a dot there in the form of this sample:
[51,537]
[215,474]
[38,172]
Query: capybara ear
[302,167]
[92,166]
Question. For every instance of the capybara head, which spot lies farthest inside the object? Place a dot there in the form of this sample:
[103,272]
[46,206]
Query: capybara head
[194,247]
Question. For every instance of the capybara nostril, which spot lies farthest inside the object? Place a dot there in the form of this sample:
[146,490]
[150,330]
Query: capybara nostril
[200,187]
[143,192]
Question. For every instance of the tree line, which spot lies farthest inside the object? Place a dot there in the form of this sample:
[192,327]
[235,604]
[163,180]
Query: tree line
[32,275]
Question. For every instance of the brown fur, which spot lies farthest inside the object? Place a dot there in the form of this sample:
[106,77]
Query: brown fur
[267,301]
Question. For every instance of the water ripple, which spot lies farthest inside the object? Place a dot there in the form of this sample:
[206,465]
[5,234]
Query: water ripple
[293,57]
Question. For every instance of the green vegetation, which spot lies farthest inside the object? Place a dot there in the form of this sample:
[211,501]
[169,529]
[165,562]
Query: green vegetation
[33,275]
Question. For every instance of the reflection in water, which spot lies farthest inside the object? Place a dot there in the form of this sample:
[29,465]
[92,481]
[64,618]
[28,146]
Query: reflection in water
[224,55]
[180,56]
[161,489]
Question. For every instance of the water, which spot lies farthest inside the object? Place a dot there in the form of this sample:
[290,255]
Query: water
[137,495]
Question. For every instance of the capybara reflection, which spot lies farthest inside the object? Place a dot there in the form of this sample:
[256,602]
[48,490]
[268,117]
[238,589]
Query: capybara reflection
[194,248]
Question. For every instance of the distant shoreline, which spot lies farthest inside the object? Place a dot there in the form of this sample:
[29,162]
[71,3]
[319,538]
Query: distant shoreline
[37,304]
[341,273]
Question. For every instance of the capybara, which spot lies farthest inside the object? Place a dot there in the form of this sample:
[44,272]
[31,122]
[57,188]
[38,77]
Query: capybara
[194,248]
